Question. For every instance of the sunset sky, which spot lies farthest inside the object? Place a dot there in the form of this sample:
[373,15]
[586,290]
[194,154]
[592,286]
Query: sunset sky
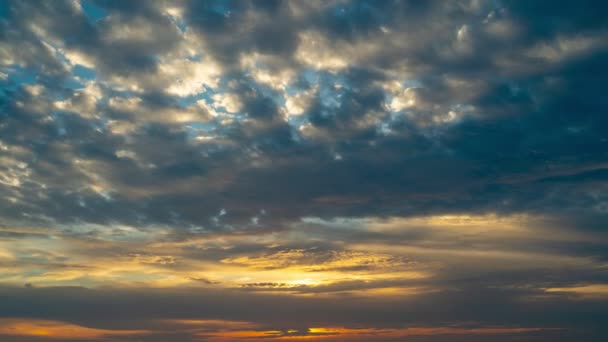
[370,170]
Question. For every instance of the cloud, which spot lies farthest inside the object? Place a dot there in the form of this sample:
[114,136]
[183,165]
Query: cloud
[440,154]
[286,313]
[363,113]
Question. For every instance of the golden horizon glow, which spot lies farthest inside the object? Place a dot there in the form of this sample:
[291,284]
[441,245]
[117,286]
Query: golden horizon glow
[57,329]
[275,265]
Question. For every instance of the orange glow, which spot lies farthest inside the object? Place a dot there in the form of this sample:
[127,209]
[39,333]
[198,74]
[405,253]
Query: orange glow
[56,329]
[342,334]
[222,330]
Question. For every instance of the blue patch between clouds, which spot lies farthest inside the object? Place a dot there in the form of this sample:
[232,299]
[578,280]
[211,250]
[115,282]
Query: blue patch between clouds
[93,12]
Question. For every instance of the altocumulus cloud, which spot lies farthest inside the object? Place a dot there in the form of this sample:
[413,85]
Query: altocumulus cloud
[329,170]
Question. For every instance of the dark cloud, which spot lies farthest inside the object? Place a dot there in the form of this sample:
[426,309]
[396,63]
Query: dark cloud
[116,308]
[528,123]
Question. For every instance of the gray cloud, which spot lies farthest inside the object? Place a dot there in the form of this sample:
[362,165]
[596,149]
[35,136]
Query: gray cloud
[505,132]
[116,308]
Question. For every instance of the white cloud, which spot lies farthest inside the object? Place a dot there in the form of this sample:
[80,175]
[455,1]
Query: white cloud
[229,101]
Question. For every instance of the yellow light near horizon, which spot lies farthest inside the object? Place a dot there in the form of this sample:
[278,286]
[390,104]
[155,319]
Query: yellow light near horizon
[57,329]
[591,290]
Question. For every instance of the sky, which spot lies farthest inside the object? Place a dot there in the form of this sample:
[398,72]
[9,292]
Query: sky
[334,170]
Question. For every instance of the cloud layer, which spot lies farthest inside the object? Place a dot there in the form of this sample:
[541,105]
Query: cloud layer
[303,169]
